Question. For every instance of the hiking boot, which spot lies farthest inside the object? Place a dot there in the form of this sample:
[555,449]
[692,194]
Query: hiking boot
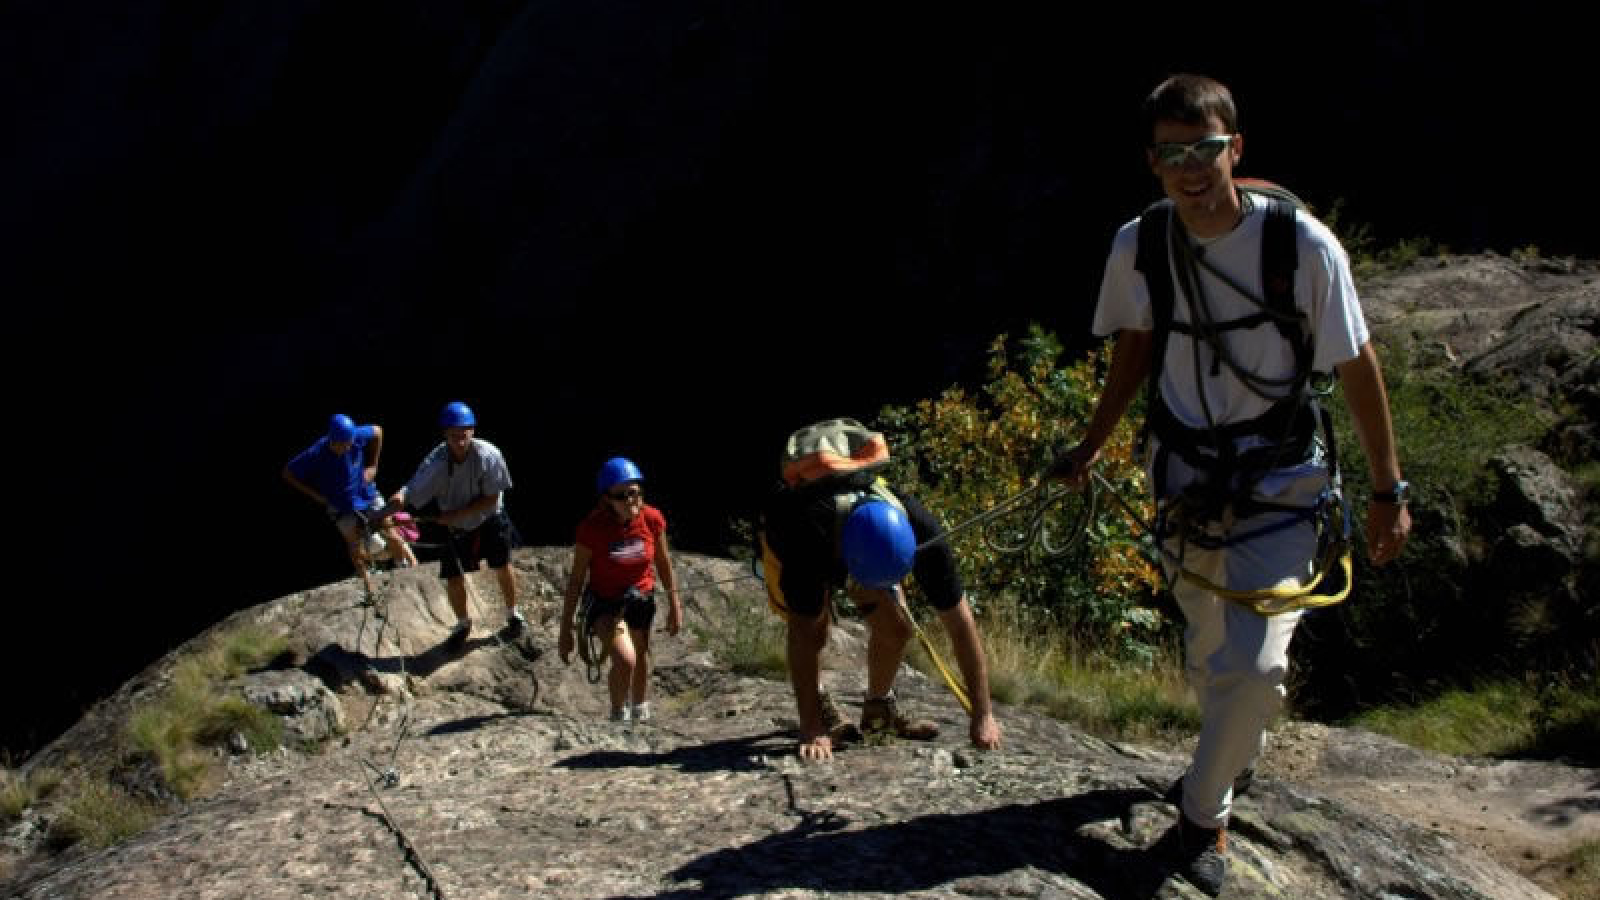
[831,716]
[620,715]
[833,721]
[462,629]
[1241,786]
[881,715]
[514,621]
[641,711]
[1204,854]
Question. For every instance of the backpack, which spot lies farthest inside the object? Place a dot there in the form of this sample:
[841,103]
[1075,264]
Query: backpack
[834,466]
[1290,425]
[833,454]
[1279,260]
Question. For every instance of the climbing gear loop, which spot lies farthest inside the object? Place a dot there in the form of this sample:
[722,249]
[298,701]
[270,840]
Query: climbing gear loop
[1006,532]
[1329,582]
[590,649]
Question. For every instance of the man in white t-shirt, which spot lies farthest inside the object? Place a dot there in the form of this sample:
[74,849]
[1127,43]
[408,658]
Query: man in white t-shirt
[1227,383]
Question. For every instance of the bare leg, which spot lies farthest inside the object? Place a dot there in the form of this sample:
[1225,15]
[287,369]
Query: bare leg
[455,587]
[888,633]
[358,555]
[623,661]
[508,586]
[399,551]
[641,670]
[804,643]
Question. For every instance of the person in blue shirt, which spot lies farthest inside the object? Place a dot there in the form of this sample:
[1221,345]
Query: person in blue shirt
[339,473]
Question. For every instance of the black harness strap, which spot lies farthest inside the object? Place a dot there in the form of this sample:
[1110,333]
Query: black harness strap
[1289,426]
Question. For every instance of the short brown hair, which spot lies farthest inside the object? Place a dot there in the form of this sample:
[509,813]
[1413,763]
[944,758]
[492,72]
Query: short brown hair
[1192,100]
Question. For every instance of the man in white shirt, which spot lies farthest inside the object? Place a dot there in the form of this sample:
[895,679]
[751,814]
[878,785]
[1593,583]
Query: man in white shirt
[467,476]
[1227,371]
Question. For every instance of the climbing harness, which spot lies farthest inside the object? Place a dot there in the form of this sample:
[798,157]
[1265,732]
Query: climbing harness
[1230,459]
[1332,558]
[589,647]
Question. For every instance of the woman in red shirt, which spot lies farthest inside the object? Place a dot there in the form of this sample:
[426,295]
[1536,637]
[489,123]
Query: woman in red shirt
[621,547]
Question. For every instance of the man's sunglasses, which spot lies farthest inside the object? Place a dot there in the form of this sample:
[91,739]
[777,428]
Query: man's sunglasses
[625,495]
[1203,151]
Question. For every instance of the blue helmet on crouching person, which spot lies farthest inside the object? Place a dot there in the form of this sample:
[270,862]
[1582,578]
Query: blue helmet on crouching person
[878,544]
[617,470]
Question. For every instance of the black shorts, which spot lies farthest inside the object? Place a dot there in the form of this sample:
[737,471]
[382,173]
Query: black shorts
[490,542]
[638,608]
[798,531]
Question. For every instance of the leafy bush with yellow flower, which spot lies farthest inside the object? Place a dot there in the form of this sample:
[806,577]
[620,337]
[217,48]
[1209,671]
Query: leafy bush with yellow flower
[966,452]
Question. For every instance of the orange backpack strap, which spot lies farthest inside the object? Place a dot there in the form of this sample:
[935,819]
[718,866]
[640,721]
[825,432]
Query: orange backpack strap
[832,449]
[772,576]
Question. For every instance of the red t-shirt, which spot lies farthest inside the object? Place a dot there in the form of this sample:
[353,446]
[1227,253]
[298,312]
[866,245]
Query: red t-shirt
[620,556]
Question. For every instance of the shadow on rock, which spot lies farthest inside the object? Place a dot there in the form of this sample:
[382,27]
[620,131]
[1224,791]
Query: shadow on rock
[337,666]
[734,754]
[817,855]
[471,723]
[1566,811]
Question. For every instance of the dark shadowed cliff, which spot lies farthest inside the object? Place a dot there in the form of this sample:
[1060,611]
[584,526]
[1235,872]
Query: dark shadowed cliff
[614,228]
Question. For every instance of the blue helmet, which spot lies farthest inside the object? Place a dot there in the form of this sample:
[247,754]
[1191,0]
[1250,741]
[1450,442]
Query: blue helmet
[878,544]
[618,469]
[341,429]
[457,415]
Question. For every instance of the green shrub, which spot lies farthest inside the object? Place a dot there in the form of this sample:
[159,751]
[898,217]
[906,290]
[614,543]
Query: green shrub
[1368,256]
[965,454]
[97,813]
[1447,426]
[1575,873]
[249,646]
[1491,720]
[1411,623]
[195,711]
[16,795]
[748,638]
[1567,717]
[18,791]
[1552,717]
[1527,253]
[164,734]
[261,728]
[1035,665]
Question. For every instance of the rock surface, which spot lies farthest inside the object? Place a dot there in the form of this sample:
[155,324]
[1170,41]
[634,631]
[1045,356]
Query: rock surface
[488,772]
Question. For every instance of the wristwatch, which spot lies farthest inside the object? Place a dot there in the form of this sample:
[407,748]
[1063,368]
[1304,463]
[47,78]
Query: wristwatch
[1399,494]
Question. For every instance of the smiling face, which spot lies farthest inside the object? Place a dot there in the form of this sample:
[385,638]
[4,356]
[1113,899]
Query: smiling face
[625,500]
[1195,164]
[457,438]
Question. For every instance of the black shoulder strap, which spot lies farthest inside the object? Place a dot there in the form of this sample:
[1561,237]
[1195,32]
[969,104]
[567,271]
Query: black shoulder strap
[1151,262]
[1279,260]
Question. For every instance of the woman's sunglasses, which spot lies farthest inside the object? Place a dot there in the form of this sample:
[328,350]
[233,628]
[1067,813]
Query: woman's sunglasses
[623,496]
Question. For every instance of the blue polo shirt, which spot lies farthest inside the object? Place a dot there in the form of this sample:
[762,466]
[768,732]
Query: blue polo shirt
[336,476]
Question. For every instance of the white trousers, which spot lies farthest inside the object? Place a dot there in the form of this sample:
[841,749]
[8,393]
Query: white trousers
[1236,659]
